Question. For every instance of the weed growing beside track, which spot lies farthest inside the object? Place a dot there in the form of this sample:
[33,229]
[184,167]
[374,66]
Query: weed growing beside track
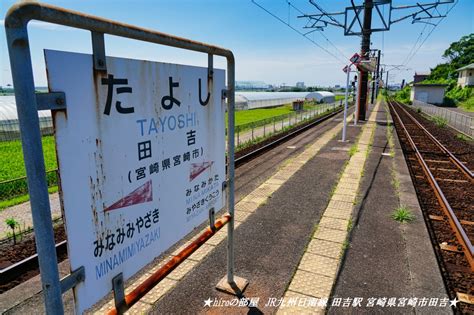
[439,121]
[403,214]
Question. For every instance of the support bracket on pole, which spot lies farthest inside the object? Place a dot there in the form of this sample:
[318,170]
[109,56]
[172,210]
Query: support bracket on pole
[119,294]
[98,51]
[212,219]
[51,101]
[210,66]
[71,280]
[224,94]
[224,185]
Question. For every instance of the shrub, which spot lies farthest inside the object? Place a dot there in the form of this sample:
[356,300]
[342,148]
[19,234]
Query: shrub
[403,96]
[439,121]
[458,95]
[463,137]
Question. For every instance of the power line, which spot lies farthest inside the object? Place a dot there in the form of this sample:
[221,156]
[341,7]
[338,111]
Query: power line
[414,45]
[320,32]
[383,36]
[441,20]
[297,31]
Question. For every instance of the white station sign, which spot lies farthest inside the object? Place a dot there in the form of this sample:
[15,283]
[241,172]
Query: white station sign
[141,154]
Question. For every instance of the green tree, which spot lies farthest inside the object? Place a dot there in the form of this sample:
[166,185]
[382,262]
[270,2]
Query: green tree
[458,54]
[441,71]
[461,53]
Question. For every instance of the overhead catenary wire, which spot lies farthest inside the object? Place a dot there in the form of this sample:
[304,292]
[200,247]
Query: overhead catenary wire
[320,32]
[434,27]
[299,32]
[414,45]
[383,38]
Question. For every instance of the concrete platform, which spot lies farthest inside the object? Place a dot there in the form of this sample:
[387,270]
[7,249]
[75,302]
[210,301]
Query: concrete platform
[375,264]
[255,184]
[390,265]
[271,240]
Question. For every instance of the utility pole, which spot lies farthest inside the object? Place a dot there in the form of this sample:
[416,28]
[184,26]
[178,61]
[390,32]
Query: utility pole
[375,85]
[386,82]
[420,13]
[380,74]
[364,52]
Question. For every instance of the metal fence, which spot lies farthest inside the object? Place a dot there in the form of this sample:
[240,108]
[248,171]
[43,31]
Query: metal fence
[10,129]
[244,134]
[458,121]
[261,129]
[17,187]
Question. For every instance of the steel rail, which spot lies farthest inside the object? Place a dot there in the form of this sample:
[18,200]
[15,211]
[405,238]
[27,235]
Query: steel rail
[9,273]
[249,156]
[452,157]
[461,235]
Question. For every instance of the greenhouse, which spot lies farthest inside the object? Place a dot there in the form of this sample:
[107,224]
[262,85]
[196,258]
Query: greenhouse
[9,126]
[322,97]
[252,100]
[10,129]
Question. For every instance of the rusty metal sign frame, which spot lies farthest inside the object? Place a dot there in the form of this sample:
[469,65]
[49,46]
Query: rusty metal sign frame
[28,103]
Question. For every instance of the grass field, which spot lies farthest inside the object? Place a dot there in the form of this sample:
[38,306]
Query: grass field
[12,165]
[247,116]
[243,117]
[11,153]
[11,158]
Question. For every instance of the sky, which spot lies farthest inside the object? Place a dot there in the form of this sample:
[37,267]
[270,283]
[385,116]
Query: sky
[265,48]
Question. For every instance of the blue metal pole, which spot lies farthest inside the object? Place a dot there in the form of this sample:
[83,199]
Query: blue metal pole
[231,165]
[23,83]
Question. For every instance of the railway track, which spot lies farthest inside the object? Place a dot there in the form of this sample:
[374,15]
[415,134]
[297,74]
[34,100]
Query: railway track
[438,173]
[11,272]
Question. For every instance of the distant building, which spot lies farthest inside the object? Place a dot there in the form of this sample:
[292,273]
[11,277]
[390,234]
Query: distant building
[420,77]
[466,75]
[321,97]
[337,86]
[9,126]
[251,86]
[300,85]
[252,100]
[394,87]
[428,93]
